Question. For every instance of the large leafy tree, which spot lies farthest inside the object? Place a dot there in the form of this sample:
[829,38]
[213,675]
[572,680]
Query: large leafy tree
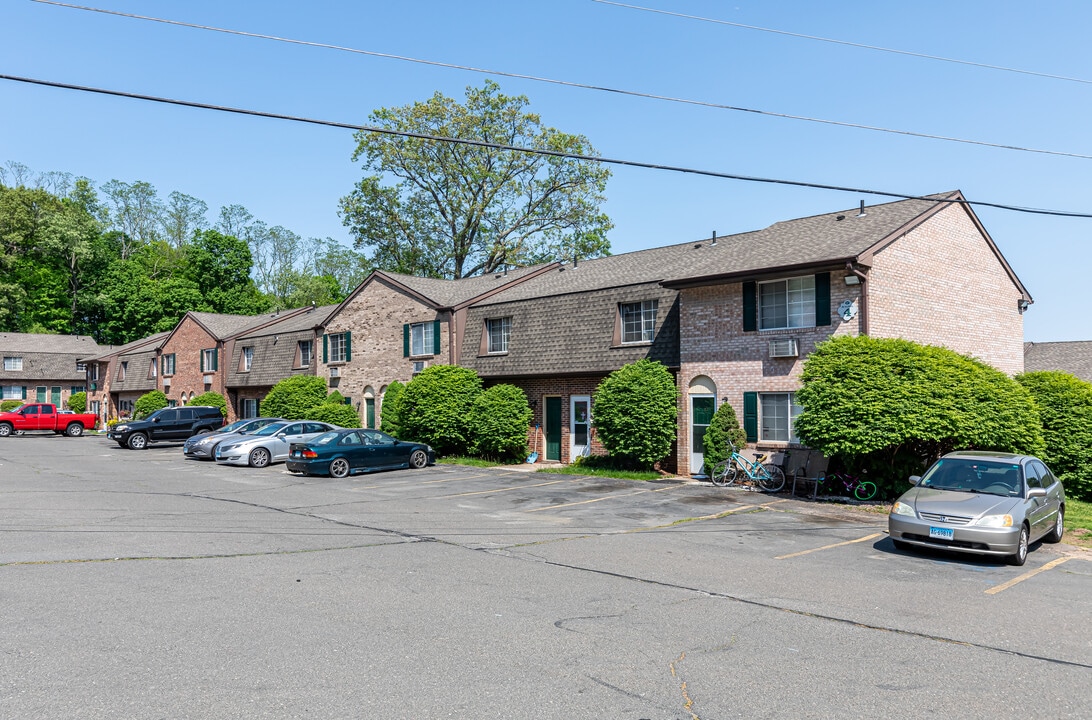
[453,210]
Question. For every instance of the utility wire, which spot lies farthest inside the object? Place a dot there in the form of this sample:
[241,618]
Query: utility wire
[532,151]
[566,83]
[848,43]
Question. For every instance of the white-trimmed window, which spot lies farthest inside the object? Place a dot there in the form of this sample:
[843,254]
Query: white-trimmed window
[167,362]
[422,340]
[777,414]
[498,330]
[13,363]
[305,351]
[248,359]
[248,408]
[13,392]
[93,369]
[123,367]
[337,347]
[638,321]
[786,303]
[153,371]
[209,360]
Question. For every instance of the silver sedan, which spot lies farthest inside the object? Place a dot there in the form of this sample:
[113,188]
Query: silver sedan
[269,444]
[203,447]
[986,503]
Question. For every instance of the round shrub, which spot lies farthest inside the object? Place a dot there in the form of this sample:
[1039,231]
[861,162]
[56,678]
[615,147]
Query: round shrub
[334,413]
[500,417]
[212,399]
[294,396]
[388,410]
[335,398]
[148,403]
[723,428]
[1065,409]
[77,403]
[435,408]
[635,413]
[9,405]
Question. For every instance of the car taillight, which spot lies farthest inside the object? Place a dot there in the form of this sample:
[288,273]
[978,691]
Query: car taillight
[308,453]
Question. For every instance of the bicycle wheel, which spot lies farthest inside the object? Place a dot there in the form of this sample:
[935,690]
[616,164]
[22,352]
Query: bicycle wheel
[771,478]
[865,490]
[723,473]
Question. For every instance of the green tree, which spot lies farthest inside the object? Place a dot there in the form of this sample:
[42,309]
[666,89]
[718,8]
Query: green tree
[635,413]
[1065,408]
[460,210]
[889,406]
[219,265]
[292,397]
[211,399]
[435,408]
[388,411]
[723,429]
[78,402]
[148,403]
[500,417]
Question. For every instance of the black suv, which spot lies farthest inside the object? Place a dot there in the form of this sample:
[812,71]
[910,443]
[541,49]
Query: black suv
[177,423]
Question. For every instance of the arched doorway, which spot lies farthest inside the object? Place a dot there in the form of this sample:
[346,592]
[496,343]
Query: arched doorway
[369,408]
[703,403]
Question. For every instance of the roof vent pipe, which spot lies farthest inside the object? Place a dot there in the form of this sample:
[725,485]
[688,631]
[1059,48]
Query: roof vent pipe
[714,241]
[862,212]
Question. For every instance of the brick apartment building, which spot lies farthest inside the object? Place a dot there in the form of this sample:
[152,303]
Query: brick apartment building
[44,368]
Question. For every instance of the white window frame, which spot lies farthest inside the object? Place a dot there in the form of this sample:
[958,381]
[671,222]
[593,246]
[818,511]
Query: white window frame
[123,369]
[13,363]
[498,330]
[336,347]
[797,304]
[168,364]
[786,413]
[248,358]
[248,408]
[208,360]
[94,372]
[305,358]
[422,341]
[638,321]
[11,392]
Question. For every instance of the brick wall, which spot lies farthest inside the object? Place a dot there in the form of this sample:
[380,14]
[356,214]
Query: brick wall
[942,284]
[187,342]
[375,318]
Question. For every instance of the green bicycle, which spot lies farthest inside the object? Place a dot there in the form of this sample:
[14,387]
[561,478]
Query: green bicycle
[765,476]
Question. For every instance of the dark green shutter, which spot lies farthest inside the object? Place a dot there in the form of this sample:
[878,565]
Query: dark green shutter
[215,359]
[202,360]
[436,337]
[822,299]
[405,340]
[750,416]
[325,349]
[750,307]
[24,392]
[349,346]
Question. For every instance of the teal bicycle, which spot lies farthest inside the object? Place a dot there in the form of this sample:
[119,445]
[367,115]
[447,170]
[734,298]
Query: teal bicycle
[764,476]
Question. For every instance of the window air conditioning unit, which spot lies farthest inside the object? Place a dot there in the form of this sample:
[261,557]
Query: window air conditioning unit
[335,372]
[208,379]
[418,366]
[784,347]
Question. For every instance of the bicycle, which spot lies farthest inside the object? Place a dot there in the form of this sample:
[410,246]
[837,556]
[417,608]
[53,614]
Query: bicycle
[860,489]
[767,477]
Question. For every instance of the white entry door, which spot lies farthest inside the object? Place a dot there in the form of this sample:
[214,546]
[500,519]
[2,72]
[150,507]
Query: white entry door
[580,426]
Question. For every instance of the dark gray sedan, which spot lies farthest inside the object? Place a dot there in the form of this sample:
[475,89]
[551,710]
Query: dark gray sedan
[986,503]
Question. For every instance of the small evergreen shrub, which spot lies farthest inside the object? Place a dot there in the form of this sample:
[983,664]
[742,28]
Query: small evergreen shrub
[77,403]
[500,417]
[435,408]
[723,428]
[148,403]
[635,413]
[212,399]
[292,397]
[388,410]
[9,405]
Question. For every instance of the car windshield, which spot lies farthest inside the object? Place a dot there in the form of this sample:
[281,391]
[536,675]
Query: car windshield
[238,424]
[156,414]
[989,477]
[270,429]
[325,438]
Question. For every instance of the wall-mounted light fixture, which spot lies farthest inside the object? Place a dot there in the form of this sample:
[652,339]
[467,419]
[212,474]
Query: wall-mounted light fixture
[1022,305]
[852,280]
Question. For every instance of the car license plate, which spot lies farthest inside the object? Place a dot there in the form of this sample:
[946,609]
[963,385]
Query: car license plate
[942,533]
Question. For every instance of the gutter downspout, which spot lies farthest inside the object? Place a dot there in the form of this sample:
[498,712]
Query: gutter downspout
[864,296]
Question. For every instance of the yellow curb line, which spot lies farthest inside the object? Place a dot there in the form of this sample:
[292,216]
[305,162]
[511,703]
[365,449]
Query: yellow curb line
[827,547]
[1021,578]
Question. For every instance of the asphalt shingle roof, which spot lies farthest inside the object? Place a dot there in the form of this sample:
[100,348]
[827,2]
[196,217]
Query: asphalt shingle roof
[449,293]
[39,342]
[1072,357]
[304,321]
[225,326]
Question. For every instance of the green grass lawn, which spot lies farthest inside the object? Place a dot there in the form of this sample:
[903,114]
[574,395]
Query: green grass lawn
[602,472]
[1078,523]
[471,461]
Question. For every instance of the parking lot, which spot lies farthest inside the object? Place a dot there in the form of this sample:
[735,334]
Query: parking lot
[141,584]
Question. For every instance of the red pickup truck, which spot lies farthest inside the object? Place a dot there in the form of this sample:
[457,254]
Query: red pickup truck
[43,416]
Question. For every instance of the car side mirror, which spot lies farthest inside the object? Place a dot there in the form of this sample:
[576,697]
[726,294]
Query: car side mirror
[1036,493]
[915,479]
[155,420]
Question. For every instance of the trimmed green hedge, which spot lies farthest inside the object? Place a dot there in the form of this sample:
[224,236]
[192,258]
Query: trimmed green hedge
[1065,408]
[500,417]
[292,397]
[77,403]
[389,409]
[435,408]
[211,399]
[9,405]
[334,413]
[635,413]
[148,403]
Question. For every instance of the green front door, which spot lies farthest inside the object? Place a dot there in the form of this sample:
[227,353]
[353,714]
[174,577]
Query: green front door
[369,404]
[553,428]
[55,395]
[702,408]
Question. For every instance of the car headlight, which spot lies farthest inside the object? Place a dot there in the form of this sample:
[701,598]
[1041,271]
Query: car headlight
[901,508]
[121,428]
[995,521]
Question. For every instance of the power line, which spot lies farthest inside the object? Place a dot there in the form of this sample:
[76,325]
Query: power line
[532,151]
[583,86]
[877,48]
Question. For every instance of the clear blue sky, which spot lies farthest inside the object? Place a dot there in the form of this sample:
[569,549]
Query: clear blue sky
[293,175]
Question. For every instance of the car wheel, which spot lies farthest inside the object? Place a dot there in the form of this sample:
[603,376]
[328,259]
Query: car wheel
[74,430]
[1021,554]
[418,459]
[138,441]
[5,430]
[259,457]
[1055,535]
[339,468]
